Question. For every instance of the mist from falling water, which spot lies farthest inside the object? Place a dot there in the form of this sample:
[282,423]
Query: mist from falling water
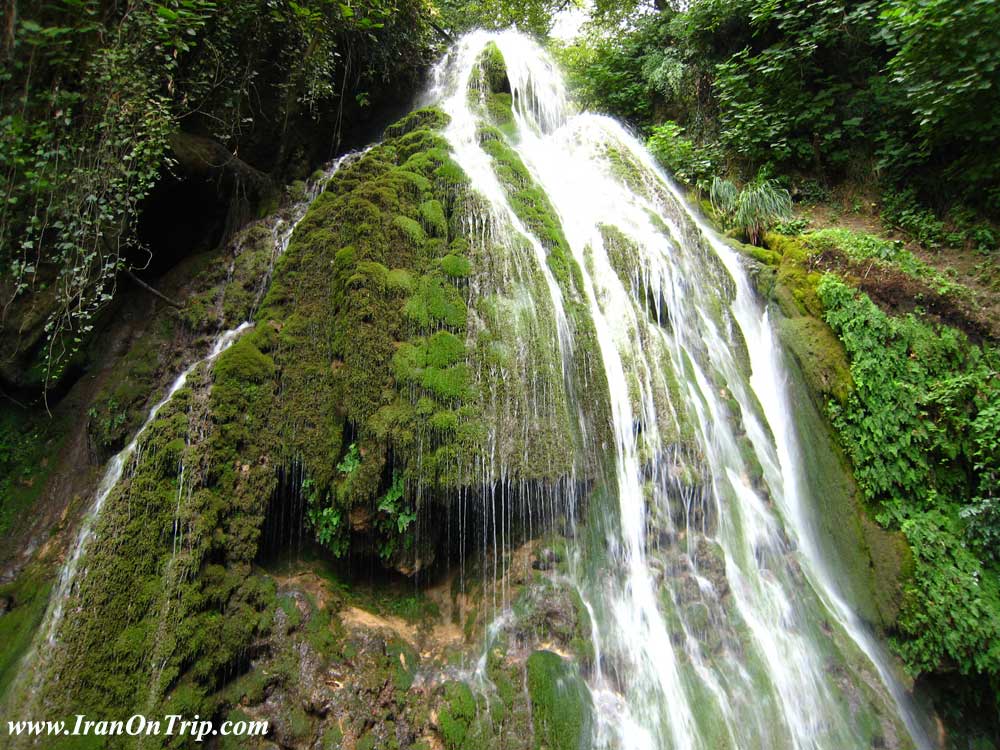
[686,660]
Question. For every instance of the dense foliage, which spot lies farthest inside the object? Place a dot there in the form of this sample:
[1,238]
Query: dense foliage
[532,16]
[92,92]
[903,90]
[922,426]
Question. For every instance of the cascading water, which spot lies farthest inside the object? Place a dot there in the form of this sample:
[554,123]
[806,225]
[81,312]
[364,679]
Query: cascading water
[716,620]
[641,354]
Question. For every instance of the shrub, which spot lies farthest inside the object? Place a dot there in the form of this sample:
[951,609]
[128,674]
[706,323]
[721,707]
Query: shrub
[688,162]
[752,210]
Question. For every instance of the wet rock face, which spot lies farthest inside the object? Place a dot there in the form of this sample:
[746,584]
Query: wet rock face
[340,669]
[327,681]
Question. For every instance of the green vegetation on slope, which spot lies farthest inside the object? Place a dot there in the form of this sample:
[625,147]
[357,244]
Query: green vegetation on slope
[895,91]
[99,100]
[922,429]
[916,414]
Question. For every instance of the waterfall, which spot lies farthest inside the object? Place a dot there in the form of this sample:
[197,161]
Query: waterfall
[717,622]
[643,394]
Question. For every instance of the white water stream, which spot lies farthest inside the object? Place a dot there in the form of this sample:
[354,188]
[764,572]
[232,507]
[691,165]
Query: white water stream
[767,653]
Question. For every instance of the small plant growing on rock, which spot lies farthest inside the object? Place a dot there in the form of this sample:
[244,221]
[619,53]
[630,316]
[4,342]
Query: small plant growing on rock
[351,461]
[754,209]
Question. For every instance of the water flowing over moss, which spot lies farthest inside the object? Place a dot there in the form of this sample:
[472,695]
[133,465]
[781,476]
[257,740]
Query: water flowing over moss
[500,380]
[560,703]
[366,377]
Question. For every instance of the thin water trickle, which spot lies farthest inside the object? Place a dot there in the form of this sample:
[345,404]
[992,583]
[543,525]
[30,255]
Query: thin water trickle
[109,481]
[131,453]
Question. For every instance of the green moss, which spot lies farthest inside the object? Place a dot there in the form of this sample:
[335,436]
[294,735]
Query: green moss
[795,285]
[121,405]
[490,71]
[457,716]
[560,702]
[113,634]
[413,231]
[892,569]
[405,661]
[243,363]
[444,348]
[448,383]
[450,176]
[456,266]
[399,280]
[433,218]
[626,168]
[622,252]
[428,118]
[445,420]
[254,253]
[378,330]
[509,168]
[820,355]
[499,110]
[436,302]
[27,598]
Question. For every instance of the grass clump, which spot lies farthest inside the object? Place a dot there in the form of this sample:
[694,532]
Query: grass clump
[751,210]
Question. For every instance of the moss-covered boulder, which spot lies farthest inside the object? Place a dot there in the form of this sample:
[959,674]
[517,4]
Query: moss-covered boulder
[560,702]
[490,89]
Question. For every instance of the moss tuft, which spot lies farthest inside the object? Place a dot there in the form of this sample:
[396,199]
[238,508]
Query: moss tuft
[457,716]
[436,302]
[243,363]
[455,266]
[433,218]
[490,72]
[560,702]
[444,348]
[428,118]
[795,287]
